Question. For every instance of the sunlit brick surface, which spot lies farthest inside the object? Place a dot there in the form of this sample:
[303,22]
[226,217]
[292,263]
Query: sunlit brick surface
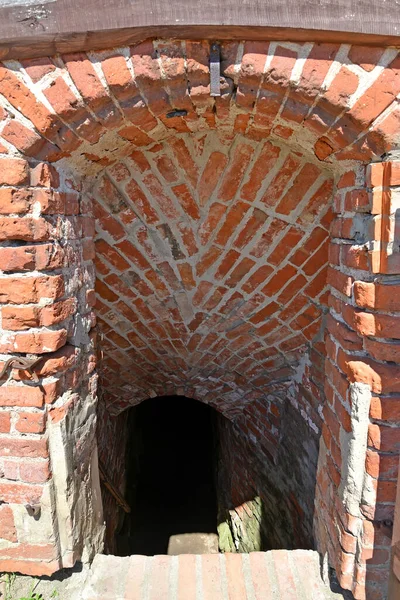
[211,268]
[276,575]
[194,230]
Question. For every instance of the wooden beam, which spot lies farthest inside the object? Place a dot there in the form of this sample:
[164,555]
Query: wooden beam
[30,30]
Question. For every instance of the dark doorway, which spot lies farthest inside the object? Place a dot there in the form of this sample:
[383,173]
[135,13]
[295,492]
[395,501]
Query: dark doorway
[170,478]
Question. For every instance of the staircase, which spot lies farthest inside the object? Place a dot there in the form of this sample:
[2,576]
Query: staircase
[273,575]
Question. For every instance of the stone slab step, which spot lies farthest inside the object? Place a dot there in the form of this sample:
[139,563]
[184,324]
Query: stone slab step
[273,575]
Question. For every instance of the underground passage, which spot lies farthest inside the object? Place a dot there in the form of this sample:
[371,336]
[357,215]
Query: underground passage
[170,479]
[200,307]
[194,485]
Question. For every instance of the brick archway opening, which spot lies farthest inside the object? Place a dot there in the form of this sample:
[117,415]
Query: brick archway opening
[234,250]
[211,253]
[169,479]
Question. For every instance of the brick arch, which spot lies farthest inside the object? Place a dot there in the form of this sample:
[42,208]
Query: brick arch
[105,131]
[211,268]
[326,97]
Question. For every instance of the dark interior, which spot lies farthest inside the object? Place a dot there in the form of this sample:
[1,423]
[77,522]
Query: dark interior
[170,474]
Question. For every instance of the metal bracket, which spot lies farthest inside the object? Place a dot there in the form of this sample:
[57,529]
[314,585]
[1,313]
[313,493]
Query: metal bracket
[215,70]
[22,363]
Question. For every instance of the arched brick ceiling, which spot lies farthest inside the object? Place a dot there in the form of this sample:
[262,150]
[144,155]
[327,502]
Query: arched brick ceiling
[211,264]
[212,213]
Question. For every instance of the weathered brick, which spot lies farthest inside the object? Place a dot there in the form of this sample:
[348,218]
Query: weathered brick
[13,171]
[21,395]
[28,448]
[7,525]
[5,422]
[30,422]
[24,290]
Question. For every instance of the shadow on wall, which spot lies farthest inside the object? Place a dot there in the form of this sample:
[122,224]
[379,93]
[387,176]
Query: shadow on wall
[267,502]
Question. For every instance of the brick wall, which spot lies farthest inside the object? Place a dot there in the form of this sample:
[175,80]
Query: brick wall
[267,502]
[211,219]
[112,439]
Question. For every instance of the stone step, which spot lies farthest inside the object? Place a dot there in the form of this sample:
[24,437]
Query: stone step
[273,575]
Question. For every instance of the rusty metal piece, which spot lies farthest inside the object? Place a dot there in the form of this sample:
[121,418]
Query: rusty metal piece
[215,70]
[21,363]
[176,113]
[113,490]
[33,510]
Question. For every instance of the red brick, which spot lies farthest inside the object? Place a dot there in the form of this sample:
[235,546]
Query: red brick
[38,67]
[19,318]
[251,71]
[211,577]
[378,96]
[44,175]
[284,248]
[86,80]
[186,200]
[214,216]
[340,281]
[240,271]
[15,201]
[24,290]
[365,56]
[385,409]
[24,447]
[21,395]
[29,422]
[135,135]
[13,171]
[53,203]
[30,567]
[207,260]
[262,248]
[185,160]
[211,176]
[384,438]
[29,258]
[25,229]
[378,296]
[187,577]
[276,188]
[254,223]
[233,217]
[135,577]
[112,256]
[5,422]
[279,280]
[167,168]
[383,466]
[382,378]
[383,351]
[7,525]
[64,101]
[37,471]
[301,184]
[140,201]
[235,171]
[25,101]
[263,165]
[317,203]
[118,77]
[28,142]
[342,87]
[160,196]
[235,576]
[347,179]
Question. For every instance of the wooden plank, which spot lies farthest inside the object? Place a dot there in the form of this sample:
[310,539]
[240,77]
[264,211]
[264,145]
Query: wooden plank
[28,29]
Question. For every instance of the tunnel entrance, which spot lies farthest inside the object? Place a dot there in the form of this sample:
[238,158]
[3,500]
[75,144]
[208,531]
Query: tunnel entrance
[170,483]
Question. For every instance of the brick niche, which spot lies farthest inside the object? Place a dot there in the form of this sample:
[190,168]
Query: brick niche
[240,250]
